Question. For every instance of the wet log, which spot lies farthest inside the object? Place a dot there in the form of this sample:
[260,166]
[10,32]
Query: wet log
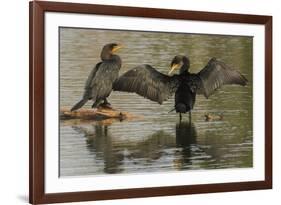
[97,115]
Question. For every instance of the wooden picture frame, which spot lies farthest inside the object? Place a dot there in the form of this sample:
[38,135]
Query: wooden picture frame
[37,194]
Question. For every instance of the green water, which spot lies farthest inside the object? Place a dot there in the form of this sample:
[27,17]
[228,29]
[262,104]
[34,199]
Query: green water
[156,142]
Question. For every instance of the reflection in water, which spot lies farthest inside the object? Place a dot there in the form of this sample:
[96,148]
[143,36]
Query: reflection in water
[185,134]
[144,153]
[100,143]
[185,138]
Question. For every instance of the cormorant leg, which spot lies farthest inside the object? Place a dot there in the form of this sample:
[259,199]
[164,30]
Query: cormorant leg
[96,104]
[189,116]
[106,102]
[180,117]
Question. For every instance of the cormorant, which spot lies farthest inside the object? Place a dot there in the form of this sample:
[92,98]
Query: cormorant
[99,83]
[149,83]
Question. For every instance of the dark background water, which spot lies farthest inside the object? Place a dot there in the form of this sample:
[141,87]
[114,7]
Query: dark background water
[156,142]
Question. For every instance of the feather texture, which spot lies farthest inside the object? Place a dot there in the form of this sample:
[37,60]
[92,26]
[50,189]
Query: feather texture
[215,74]
[148,82]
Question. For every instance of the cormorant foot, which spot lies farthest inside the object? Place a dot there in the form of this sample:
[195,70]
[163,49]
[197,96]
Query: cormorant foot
[106,105]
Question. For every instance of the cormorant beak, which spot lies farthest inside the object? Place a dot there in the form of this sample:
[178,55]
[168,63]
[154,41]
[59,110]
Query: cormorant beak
[116,48]
[173,67]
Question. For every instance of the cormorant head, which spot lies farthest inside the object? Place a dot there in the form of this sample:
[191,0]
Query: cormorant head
[109,50]
[179,62]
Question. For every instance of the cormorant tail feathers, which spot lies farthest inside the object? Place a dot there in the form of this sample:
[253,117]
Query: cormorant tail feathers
[79,104]
[181,108]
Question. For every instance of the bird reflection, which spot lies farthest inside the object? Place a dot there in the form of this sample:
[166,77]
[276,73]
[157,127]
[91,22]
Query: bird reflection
[99,142]
[120,155]
[186,135]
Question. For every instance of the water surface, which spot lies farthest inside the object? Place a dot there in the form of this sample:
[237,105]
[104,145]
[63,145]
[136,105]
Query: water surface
[156,142]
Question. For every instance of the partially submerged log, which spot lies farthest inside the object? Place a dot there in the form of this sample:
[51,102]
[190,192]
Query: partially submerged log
[97,115]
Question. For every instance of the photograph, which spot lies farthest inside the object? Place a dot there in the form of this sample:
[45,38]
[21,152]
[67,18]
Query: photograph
[129,102]
[136,101]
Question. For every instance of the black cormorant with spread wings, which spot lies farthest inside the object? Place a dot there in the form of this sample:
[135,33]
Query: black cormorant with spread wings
[149,83]
[100,81]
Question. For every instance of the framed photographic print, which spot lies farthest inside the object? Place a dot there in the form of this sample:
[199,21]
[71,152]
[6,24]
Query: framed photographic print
[138,102]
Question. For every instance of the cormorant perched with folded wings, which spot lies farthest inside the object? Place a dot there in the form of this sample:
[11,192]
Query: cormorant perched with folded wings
[99,83]
[149,83]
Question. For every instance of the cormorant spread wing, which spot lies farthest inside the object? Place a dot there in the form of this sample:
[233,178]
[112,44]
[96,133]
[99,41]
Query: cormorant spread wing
[215,74]
[148,82]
